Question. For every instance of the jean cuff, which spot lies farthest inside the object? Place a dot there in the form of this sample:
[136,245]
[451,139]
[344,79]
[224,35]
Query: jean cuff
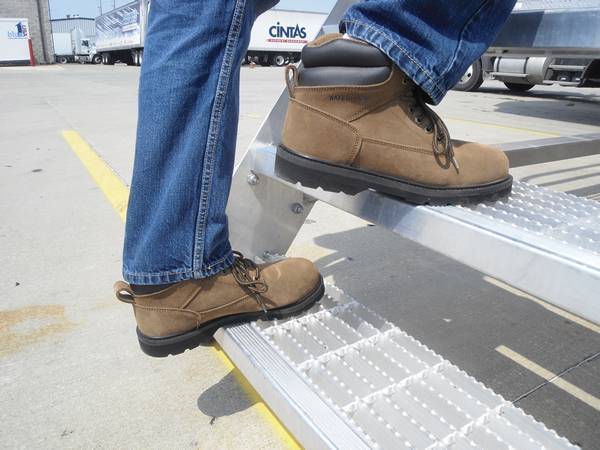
[399,55]
[173,276]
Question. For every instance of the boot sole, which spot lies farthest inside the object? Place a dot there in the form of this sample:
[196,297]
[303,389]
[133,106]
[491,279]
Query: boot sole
[173,345]
[316,173]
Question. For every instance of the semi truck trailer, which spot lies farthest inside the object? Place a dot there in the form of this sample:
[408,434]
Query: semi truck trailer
[73,47]
[277,36]
[543,42]
[120,33]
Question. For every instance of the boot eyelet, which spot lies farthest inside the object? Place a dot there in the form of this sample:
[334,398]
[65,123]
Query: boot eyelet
[418,120]
[429,129]
[411,109]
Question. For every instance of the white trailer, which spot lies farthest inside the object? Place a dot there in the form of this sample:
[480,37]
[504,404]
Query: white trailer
[14,45]
[62,45]
[278,35]
[120,33]
[72,47]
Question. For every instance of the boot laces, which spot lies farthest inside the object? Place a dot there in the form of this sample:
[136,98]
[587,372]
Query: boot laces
[428,119]
[247,275]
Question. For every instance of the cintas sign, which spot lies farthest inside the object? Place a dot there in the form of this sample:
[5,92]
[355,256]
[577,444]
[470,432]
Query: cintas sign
[279,31]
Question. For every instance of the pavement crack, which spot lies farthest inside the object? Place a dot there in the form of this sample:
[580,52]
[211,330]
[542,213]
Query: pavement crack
[557,376]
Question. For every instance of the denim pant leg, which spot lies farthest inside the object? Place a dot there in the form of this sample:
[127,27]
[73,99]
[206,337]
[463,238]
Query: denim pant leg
[188,111]
[432,41]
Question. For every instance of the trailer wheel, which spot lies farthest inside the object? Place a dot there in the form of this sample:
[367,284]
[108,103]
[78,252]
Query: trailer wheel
[472,78]
[107,59]
[279,60]
[62,59]
[518,87]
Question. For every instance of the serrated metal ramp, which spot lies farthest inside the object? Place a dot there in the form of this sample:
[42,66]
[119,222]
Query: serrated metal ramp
[543,242]
[341,376]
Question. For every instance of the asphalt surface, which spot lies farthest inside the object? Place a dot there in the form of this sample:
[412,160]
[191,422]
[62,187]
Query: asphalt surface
[71,374]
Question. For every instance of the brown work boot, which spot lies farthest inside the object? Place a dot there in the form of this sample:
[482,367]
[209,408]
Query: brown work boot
[187,314]
[355,122]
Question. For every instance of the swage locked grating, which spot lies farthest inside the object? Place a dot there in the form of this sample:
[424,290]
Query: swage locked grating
[561,217]
[392,390]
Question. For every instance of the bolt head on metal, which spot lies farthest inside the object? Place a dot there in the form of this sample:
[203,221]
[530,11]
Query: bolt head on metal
[297,208]
[252,179]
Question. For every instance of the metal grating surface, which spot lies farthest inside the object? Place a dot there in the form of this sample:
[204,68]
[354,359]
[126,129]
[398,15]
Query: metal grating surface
[391,390]
[533,5]
[561,217]
[543,242]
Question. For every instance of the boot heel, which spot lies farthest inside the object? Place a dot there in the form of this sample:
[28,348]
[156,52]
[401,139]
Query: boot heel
[312,174]
[163,347]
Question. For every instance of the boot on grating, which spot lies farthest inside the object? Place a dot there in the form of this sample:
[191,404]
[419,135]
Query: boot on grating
[355,121]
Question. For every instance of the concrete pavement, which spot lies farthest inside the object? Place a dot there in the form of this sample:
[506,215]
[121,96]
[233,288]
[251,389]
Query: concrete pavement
[71,372]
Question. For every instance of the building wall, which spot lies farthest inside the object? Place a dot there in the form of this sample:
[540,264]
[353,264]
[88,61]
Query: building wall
[39,27]
[87,25]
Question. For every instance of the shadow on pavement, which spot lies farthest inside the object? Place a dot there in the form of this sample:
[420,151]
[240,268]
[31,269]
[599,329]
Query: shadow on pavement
[560,111]
[579,108]
[531,178]
[592,192]
[224,398]
[583,97]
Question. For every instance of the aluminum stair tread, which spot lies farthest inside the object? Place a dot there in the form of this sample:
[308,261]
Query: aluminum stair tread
[556,216]
[531,233]
[390,390]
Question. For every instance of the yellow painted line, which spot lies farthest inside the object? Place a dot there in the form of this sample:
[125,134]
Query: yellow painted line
[117,194]
[114,189]
[555,309]
[504,127]
[551,377]
[262,408]
[253,115]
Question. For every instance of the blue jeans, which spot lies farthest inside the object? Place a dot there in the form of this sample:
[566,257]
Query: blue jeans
[189,101]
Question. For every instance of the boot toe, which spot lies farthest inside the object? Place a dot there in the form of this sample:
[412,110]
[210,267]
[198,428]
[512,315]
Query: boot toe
[290,280]
[479,163]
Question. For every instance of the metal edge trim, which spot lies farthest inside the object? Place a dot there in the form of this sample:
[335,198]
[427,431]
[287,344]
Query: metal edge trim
[304,413]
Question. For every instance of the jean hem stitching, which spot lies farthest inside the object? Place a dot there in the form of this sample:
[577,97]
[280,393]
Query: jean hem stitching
[172,276]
